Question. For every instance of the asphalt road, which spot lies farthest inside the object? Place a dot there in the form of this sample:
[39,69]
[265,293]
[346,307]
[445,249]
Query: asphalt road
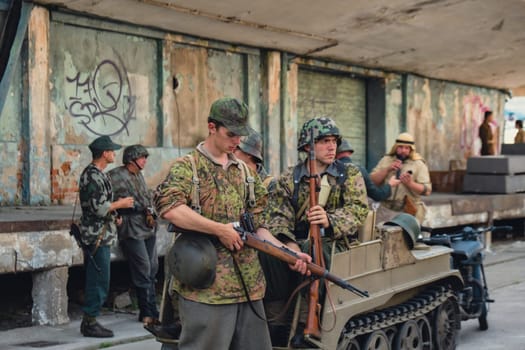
[506,282]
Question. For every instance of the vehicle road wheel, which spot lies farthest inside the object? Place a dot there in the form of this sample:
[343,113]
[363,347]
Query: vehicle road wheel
[446,325]
[377,340]
[426,332]
[408,337]
[349,344]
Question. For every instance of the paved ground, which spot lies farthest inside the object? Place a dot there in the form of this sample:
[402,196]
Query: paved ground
[128,330]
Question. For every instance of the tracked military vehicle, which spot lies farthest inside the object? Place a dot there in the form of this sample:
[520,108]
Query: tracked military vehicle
[412,300]
[412,290]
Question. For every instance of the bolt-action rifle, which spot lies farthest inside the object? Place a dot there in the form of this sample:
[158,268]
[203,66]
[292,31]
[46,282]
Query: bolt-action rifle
[312,328]
[246,229]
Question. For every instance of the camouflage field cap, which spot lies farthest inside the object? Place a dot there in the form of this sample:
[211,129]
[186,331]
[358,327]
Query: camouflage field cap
[345,146]
[232,113]
[134,152]
[103,143]
[323,126]
[252,145]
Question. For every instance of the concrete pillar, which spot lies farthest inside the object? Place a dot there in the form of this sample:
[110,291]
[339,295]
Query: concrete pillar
[50,297]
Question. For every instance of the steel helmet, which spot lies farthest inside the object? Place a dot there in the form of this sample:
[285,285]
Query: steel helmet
[323,126]
[192,259]
[252,145]
[134,152]
[410,227]
[345,146]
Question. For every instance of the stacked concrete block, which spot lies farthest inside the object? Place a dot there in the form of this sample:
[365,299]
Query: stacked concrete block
[495,174]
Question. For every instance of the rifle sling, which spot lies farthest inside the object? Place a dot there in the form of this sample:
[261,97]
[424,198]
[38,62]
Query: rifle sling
[246,291]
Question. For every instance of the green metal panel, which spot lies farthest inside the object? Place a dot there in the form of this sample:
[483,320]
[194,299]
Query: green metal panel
[340,97]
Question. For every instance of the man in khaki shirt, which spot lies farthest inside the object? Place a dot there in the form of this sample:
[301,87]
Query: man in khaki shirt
[404,163]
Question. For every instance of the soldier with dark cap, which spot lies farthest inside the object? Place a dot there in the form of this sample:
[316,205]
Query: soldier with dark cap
[341,210]
[377,193]
[98,231]
[206,191]
[250,151]
[137,233]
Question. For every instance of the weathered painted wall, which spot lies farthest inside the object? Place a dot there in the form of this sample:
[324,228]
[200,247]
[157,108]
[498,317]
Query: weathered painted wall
[11,161]
[444,118]
[88,78]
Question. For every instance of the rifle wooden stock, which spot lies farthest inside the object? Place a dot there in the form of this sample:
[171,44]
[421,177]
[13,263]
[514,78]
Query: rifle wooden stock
[290,257]
[312,328]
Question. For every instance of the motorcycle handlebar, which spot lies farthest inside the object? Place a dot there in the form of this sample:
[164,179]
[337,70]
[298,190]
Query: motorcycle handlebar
[465,232]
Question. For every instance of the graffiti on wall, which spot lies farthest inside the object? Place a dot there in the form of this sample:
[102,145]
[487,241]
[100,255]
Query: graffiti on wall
[102,100]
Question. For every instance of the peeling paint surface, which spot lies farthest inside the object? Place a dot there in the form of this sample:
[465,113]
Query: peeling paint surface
[444,119]
[203,76]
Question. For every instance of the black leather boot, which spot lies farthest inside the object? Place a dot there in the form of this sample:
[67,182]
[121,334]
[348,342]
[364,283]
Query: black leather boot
[91,328]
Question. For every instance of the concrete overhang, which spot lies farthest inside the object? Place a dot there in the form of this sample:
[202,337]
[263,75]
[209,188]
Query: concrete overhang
[473,42]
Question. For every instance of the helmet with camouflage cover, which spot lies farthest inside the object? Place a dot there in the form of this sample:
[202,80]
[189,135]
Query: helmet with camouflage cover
[323,126]
[192,260]
[134,152]
[410,227]
[252,145]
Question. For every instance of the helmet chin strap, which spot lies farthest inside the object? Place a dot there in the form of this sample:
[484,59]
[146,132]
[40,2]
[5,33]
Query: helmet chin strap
[136,164]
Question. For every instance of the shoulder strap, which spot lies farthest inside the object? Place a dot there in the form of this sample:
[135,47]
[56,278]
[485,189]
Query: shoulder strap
[196,190]
[342,172]
[249,181]
[296,180]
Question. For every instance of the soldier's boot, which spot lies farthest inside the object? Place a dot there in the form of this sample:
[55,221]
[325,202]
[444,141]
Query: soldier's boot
[91,328]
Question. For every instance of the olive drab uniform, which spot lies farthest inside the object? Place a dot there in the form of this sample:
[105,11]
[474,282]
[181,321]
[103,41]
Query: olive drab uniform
[137,232]
[126,184]
[420,174]
[223,198]
[96,196]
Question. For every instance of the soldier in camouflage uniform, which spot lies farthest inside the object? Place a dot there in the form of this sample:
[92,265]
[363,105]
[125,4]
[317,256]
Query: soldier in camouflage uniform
[409,166]
[288,216]
[250,151]
[98,231]
[137,233]
[220,316]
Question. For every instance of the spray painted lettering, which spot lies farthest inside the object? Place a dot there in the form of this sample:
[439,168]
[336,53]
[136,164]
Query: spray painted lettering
[102,101]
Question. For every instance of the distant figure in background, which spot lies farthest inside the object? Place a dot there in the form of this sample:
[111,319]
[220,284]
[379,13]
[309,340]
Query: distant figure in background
[377,193]
[520,135]
[486,135]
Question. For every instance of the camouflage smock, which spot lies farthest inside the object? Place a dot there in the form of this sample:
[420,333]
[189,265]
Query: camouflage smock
[126,184]
[96,195]
[420,175]
[346,206]
[223,198]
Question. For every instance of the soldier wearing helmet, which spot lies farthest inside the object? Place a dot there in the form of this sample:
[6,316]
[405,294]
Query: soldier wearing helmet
[342,209]
[137,233]
[250,151]
[404,163]
[220,298]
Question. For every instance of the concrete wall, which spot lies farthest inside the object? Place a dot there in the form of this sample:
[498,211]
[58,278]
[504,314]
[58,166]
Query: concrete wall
[82,78]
